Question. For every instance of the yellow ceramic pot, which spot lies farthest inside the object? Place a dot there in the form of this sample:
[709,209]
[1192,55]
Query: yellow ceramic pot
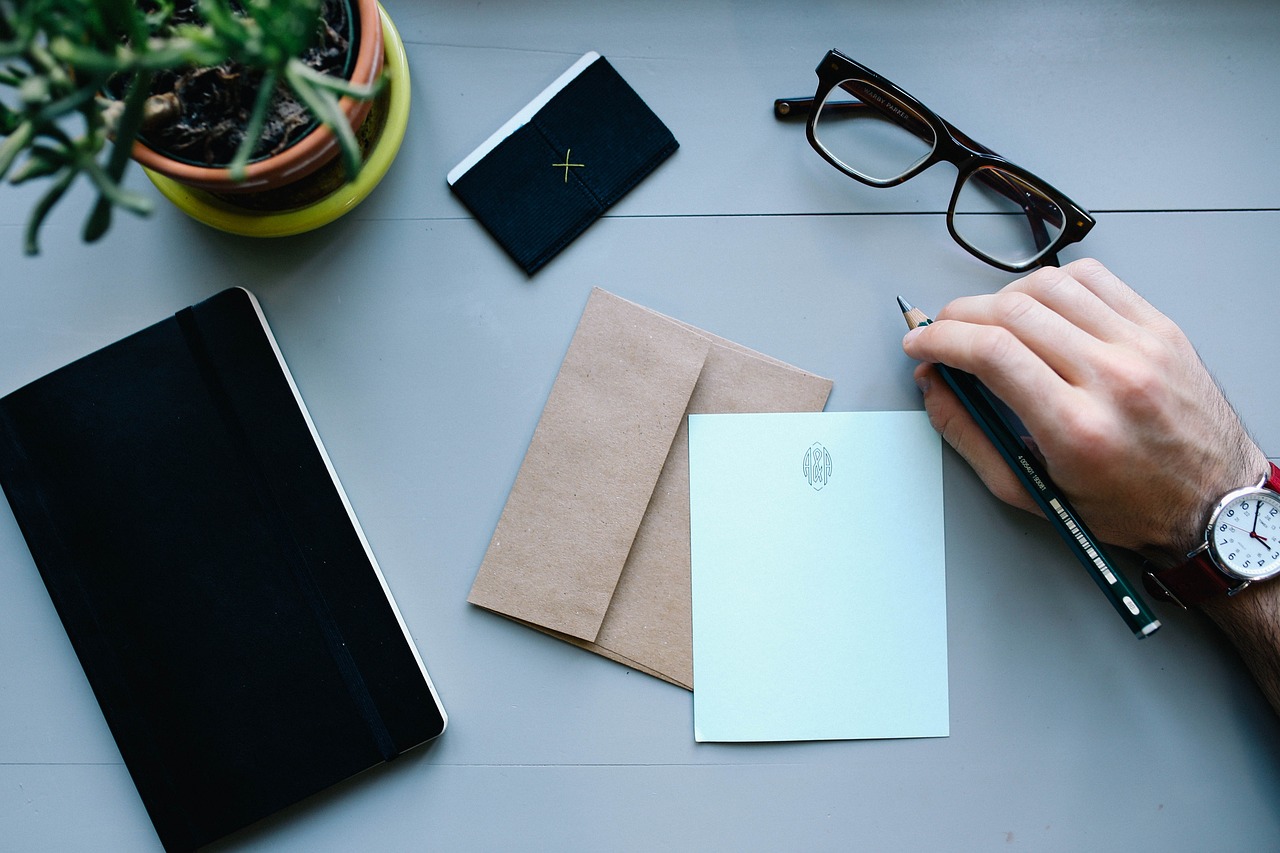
[248,215]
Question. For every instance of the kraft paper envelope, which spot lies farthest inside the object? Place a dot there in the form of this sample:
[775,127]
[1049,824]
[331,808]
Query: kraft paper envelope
[593,544]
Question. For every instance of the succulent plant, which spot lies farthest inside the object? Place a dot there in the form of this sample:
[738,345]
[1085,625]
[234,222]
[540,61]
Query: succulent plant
[76,86]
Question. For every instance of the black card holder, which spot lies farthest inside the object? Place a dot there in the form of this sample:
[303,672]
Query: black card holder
[538,183]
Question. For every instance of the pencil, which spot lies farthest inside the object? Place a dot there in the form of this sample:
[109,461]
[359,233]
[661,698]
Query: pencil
[986,410]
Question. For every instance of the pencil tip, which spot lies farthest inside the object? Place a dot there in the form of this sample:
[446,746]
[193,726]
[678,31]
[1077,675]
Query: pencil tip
[904,305]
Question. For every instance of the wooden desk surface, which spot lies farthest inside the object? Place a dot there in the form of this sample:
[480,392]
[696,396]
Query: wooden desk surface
[425,357]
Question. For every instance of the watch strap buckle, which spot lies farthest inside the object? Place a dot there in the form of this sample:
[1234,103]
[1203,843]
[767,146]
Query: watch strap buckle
[1158,590]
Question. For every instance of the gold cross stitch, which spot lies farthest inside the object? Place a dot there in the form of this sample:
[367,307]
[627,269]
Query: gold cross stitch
[566,164]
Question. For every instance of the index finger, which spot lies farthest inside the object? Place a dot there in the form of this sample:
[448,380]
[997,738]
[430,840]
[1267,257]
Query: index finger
[1001,361]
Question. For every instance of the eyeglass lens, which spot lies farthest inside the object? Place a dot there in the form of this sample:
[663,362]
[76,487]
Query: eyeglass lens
[879,138]
[1005,217]
[870,133]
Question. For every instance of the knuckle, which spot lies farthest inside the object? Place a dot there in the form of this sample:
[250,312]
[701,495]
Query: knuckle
[1039,279]
[1138,384]
[1047,283]
[1170,336]
[998,348]
[1090,433]
[1010,308]
[1088,268]
[1159,350]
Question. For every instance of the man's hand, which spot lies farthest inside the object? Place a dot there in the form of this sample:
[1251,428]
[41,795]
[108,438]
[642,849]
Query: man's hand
[1130,425]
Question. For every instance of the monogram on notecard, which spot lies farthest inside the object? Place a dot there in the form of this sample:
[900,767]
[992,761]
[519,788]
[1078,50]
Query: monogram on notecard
[817,466]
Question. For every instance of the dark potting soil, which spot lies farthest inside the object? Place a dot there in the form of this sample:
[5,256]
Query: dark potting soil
[214,103]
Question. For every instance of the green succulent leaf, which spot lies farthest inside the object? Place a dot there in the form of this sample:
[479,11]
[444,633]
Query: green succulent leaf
[58,58]
[42,161]
[31,236]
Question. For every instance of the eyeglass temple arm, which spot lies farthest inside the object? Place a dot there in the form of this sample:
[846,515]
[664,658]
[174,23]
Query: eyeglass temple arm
[786,108]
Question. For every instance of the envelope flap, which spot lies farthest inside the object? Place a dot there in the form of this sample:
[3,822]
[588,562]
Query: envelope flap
[582,490]
[650,624]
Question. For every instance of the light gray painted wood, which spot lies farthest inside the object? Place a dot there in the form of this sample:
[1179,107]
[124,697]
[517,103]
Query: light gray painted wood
[425,357]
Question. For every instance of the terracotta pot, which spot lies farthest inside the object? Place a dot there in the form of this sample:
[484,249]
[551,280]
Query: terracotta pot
[272,213]
[304,156]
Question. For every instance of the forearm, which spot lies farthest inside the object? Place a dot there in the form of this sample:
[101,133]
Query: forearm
[1251,620]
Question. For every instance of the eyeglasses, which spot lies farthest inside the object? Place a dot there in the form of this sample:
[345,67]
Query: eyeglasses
[1000,212]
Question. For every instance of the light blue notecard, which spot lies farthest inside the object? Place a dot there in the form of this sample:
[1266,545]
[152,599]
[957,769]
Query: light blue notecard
[819,587]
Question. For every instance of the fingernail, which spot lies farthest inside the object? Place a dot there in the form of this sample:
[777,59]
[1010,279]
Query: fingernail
[924,383]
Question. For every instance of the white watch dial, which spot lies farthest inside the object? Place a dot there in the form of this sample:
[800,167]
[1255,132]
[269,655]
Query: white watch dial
[1245,536]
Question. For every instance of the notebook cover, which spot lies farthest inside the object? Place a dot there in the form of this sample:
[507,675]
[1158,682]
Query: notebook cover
[210,574]
[552,170]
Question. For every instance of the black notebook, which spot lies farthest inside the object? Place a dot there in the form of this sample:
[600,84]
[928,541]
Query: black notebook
[207,566]
[558,164]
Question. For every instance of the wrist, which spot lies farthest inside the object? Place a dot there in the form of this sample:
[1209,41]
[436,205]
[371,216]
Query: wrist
[1237,547]
[1190,512]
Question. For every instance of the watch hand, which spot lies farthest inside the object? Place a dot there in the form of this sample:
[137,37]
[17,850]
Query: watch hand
[1257,508]
[1264,541]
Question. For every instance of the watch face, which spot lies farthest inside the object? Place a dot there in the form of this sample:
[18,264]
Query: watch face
[1245,536]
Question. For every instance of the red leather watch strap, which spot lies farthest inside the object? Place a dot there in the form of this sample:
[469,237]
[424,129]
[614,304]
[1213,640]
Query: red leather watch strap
[1188,583]
[1197,579]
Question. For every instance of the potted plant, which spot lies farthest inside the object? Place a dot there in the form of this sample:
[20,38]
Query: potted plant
[231,106]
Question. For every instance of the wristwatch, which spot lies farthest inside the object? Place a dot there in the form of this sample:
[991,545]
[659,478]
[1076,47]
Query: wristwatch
[1241,547]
